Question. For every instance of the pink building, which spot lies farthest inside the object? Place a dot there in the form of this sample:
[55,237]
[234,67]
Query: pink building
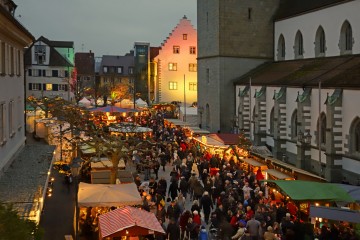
[176,63]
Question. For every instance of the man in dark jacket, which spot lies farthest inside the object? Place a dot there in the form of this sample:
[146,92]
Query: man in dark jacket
[173,230]
[206,205]
[173,211]
[184,187]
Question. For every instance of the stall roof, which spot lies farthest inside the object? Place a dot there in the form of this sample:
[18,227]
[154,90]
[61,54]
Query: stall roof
[125,218]
[253,162]
[178,122]
[278,174]
[353,191]
[197,130]
[338,214]
[313,191]
[108,195]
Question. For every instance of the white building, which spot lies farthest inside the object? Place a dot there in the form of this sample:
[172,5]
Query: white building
[302,105]
[177,65]
[13,39]
[49,69]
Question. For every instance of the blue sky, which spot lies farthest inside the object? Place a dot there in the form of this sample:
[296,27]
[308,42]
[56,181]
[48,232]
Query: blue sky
[107,27]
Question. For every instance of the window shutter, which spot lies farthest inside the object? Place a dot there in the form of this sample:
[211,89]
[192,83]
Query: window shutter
[44,86]
[30,86]
[55,87]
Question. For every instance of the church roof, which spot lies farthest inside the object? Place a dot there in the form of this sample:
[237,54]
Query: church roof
[333,72]
[290,8]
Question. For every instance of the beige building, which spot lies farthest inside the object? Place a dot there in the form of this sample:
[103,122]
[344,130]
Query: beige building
[177,65]
[13,39]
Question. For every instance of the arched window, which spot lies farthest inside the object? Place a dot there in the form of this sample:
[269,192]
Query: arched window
[299,46]
[346,38]
[320,44]
[281,48]
[355,136]
[294,125]
[272,122]
[322,126]
[207,119]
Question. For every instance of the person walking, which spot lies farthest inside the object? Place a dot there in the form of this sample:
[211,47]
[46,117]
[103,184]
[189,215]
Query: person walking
[253,226]
[206,205]
[173,190]
[173,230]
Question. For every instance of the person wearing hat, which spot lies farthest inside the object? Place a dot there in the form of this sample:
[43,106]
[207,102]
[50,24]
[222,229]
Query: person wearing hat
[206,205]
[269,234]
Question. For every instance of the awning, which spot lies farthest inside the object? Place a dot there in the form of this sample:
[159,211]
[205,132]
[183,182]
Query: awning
[338,214]
[132,220]
[312,191]
[253,162]
[278,174]
[262,150]
[352,190]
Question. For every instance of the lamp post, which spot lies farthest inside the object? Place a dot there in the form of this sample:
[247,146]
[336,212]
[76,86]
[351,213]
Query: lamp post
[303,158]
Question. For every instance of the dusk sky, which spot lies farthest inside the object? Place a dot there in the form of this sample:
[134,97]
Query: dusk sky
[107,27]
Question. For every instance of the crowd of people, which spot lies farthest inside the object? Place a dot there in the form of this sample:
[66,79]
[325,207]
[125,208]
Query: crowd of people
[231,204]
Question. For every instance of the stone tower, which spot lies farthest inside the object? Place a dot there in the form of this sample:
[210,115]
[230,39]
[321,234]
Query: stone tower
[234,37]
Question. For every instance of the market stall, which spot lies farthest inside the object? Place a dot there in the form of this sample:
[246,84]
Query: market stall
[126,222]
[127,130]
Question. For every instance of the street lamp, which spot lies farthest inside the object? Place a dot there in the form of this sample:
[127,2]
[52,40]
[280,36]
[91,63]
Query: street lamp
[304,138]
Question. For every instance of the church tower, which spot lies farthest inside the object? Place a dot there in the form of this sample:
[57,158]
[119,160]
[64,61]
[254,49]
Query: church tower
[233,38]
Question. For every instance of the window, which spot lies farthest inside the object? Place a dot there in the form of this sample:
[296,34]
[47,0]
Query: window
[2,123]
[322,126]
[272,122]
[184,36]
[62,87]
[12,61]
[120,70]
[294,125]
[11,119]
[346,38]
[55,73]
[20,113]
[18,62]
[208,75]
[320,42]
[281,48]
[249,13]
[35,86]
[40,53]
[192,67]
[49,87]
[105,69]
[355,136]
[2,59]
[172,66]
[192,86]
[173,86]
[176,49]
[30,72]
[299,47]
[131,70]
[192,50]
[207,116]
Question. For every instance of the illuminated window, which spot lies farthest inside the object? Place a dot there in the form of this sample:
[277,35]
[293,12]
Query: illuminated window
[173,86]
[192,67]
[176,49]
[184,36]
[172,66]
[192,50]
[49,87]
[192,86]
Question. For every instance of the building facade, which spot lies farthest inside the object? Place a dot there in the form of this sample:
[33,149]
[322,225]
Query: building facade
[49,69]
[85,70]
[13,39]
[177,65]
[233,38]
[142,85]
[300,104]
[117,72]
